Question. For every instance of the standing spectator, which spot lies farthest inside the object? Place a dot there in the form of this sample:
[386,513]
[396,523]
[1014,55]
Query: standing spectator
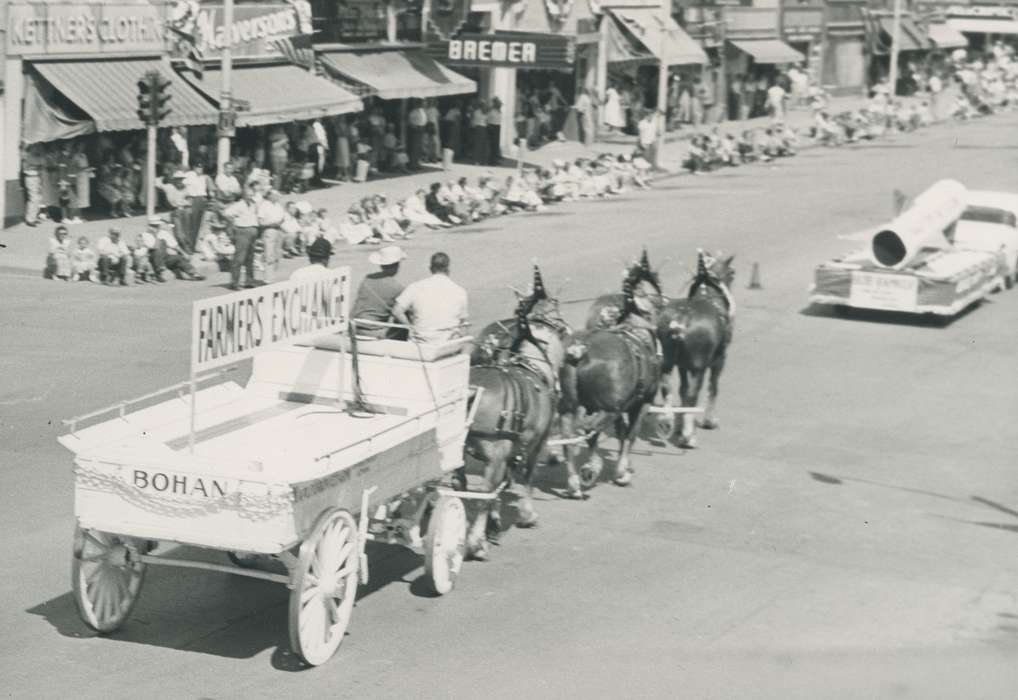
[434,152]
[320,148]
[435,307]
[83,174]
[936,88]
[31,169]
[613,117]
[199,187]
[58,260]
[735,97]
[454,129]
[243,217]
[176,197]
[557,108]
[228,187]
[479,132]
[494,119]
[708,96]
[178,138]
[647,130]
[585,117]
[270,220]
[279,155]
[417,119]
[776,96]
[114,257]
[83,261]
[699,95]
[341,155]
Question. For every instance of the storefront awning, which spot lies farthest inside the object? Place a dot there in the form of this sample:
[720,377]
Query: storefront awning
[947,37]
[395,75]
[911,37]
[665,41]
[107,91]
[768,50]
[279,93]
[46,119]
[978,25]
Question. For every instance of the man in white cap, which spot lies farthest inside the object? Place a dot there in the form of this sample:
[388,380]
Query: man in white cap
[377,294]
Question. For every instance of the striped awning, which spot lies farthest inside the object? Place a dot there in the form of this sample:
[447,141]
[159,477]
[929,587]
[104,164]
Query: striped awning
[107,91]
[946,37]
[396,75]
[768,51]
[279,93]
[984,25]
[665,40]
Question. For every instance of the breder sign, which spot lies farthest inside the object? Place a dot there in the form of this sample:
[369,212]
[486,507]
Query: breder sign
[233,327]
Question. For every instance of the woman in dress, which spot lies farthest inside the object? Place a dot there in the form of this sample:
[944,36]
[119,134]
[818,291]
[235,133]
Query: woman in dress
[83,174]
[342,154]
[614,118]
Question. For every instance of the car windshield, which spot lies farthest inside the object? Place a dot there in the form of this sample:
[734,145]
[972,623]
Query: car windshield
[990,215]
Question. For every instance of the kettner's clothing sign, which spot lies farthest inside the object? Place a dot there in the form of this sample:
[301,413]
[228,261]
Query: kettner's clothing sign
[255,27]
[506,50]
[54,29]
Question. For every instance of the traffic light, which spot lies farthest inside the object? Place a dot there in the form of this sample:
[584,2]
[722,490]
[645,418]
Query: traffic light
[153,96]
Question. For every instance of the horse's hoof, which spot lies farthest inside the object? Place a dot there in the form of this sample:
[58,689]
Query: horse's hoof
[479,552]
[664,427]
[624,479]
[527,519]
[687,443]
[574,490]
[708,424]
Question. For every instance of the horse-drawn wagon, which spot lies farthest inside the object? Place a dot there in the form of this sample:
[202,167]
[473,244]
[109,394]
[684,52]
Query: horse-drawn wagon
[331,442]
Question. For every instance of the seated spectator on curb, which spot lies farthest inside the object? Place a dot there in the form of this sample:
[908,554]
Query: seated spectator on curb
[58,260]
[142,251]
[377,293]
[319,253]
[291,231]
[83,261]
[216,246]
[435,206]
[173,256]
[114,257]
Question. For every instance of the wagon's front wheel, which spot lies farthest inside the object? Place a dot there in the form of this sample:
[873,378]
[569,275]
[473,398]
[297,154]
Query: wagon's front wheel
[106,575]
[445,544]
[325,586]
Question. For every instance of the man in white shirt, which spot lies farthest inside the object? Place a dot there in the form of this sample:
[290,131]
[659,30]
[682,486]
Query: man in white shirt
[319,253]
[776,101]
[321,147]
[417,119]
[114,257]
[647,130]
[227,184]
[170,254]
[435,307]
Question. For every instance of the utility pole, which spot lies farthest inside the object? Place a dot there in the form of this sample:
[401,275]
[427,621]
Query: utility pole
[895,44]
[662,83]
[226,120]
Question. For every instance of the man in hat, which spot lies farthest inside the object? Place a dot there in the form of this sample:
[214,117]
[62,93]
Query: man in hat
[377,295]
[114,256]
[176,196]
[435,307]
[243,218]
[319,253]
[171,254]
[149,240]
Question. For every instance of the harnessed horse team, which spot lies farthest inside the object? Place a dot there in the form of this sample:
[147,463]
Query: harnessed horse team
[638,349]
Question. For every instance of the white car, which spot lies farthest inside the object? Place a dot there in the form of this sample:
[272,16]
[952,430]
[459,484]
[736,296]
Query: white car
[990,223]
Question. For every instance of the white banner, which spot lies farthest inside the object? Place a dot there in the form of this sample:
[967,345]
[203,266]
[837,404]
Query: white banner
[881,290]
[233,327]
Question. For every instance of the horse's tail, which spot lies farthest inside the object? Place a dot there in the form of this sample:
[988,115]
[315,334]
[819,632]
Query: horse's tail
[677,329]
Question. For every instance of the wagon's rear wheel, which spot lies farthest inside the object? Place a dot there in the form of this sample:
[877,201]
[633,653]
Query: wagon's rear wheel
[106,576]
[325,586]
[445,544]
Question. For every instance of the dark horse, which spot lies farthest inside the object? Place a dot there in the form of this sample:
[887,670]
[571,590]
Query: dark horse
[607,309]
[516,367]
[611,373]
[695,333]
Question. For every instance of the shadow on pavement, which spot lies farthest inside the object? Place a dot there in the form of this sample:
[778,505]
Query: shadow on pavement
[217,613]
[898,318]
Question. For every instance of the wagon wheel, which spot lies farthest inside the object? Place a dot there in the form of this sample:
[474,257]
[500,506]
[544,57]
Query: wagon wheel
[325,585]
[445,544]
[106,577]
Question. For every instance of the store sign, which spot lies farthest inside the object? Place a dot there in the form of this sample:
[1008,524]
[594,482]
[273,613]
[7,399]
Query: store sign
[51,29]
[255,28]
[985,12]
[506,50]
[447,16]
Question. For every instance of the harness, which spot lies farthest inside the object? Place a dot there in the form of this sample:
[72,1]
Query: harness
[648,364]
[516,403]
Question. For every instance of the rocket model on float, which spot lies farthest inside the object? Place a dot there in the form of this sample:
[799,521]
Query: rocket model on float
[920,226]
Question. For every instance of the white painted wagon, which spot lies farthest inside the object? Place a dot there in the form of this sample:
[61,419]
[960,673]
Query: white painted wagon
[322,450]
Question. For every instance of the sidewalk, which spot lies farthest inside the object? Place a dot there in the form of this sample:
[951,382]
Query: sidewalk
[26,247]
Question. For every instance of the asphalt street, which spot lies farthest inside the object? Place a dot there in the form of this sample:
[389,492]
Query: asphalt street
[850,531]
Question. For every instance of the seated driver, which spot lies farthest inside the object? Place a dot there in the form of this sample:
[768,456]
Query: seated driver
[435,307]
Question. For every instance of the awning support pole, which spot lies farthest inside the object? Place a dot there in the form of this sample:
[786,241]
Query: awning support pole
[225,99]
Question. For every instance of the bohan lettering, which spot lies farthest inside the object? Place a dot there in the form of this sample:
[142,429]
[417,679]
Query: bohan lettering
[179,484]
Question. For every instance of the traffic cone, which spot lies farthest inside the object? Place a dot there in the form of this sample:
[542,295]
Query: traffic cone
[754,280]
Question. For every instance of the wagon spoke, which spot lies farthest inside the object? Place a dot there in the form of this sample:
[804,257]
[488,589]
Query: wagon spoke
[344,553]
[308,594]
[332,609]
